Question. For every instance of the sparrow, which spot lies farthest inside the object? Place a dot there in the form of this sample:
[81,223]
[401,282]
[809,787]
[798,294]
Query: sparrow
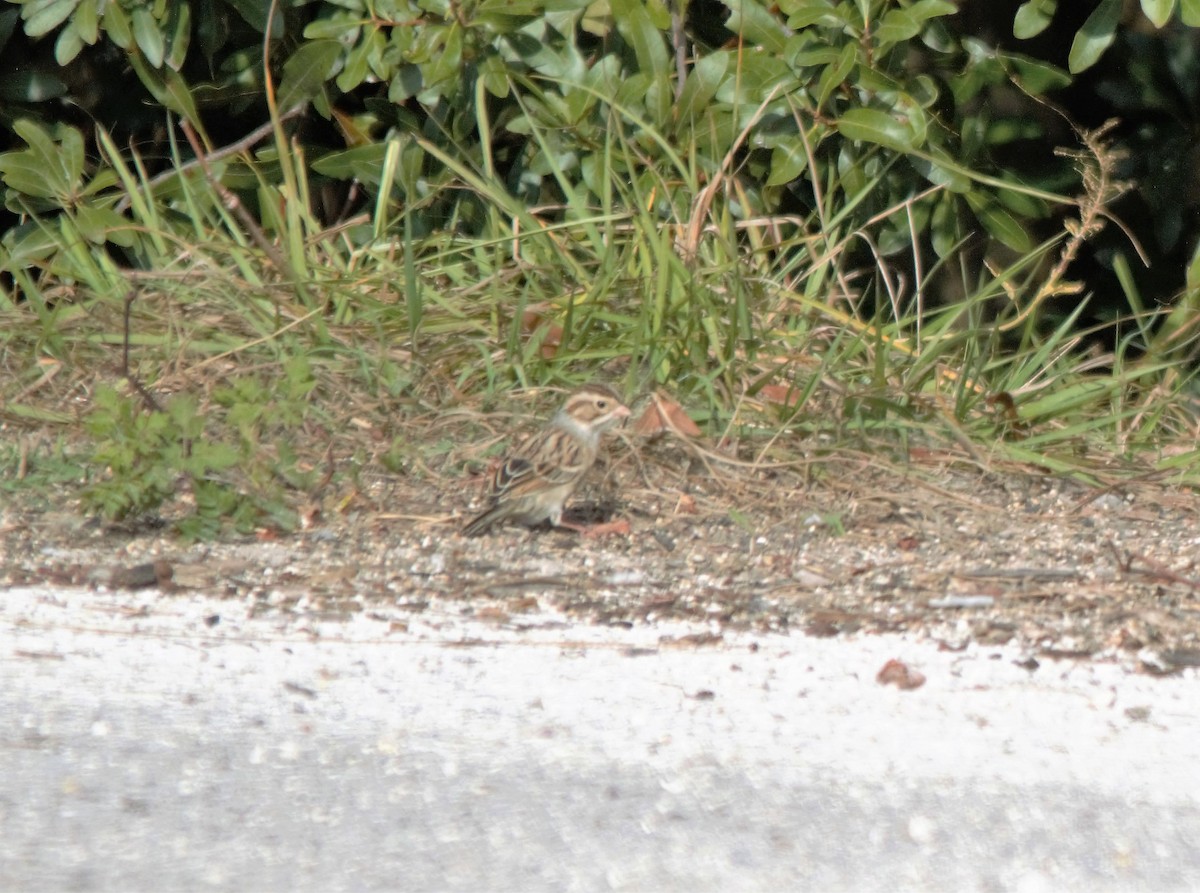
[540,474]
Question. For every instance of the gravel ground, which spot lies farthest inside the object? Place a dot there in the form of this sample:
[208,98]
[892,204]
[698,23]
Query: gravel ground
[949,681]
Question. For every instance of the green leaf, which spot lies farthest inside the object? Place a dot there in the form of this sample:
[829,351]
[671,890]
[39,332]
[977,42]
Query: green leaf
[87,20]
[256,12]
[68,45]
[1000,225]
[167,87]
[759,74]
[660,16]
[1033,17]
[835,75]
[1020,203]
[1096,36]
[1034,75]
[117,26]
[44,169]
[505,15]
[306,71]
[29,244]
[100,225]
[149,38]
[1193,274]
[70,156]
[341,26]
[756,25]
[942,170]
[803,13]
[407,83]
[597,19]
[518,9]
[924,10]
[1190,12]
[43,16]
[1158,11]
[815,55]
[1008,130]
[634,23]
[363,163]
[787,161]
[943,227]
[874,126]
[702,84]
[494,74]
[22,172]
[896,26]
[356,67]
[179,25]
[443,72]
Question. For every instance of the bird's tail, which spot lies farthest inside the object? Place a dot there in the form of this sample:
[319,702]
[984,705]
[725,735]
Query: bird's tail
[481,524]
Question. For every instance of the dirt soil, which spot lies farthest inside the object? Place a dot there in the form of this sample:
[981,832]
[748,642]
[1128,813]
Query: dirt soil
[942,550]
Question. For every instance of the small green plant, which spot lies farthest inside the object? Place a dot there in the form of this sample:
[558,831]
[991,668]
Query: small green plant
[148,457]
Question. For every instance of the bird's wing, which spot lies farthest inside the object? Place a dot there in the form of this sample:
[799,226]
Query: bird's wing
[552,458]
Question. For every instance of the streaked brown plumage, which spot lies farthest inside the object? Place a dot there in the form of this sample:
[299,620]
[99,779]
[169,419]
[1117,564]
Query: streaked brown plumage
[540,474]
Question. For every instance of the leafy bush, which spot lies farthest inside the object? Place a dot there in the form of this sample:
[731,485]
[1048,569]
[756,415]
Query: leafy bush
[847,114]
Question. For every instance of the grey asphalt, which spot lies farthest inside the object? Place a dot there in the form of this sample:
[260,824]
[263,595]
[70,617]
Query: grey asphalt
[144,748]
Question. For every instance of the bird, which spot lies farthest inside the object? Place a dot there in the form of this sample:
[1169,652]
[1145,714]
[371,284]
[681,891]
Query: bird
[538,476]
